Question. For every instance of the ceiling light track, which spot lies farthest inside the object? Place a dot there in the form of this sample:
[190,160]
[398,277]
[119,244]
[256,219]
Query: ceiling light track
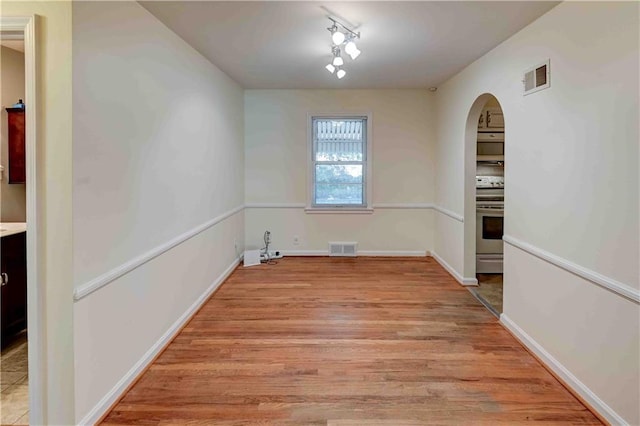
[341,35]
[337,23]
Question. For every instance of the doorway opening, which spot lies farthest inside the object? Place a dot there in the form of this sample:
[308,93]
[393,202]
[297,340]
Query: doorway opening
[13,226]
[487,197]
[22,369]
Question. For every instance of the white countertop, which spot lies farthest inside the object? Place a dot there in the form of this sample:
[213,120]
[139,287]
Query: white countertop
[10,228]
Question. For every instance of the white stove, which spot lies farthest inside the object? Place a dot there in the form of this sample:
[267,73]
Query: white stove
[489,224]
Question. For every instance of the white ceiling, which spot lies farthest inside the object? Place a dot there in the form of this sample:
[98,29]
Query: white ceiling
[285,44]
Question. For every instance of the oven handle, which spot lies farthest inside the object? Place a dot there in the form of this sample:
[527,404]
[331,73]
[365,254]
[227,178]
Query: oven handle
[488,196]
[481,210]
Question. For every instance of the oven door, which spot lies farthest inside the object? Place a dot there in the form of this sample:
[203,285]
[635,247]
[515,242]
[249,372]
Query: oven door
[489,230]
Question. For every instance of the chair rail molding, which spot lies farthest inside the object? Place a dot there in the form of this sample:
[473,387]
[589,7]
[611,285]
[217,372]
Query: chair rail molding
[97,283]
[391,206]
[451,214]
[275,205]
[400,206]
[608,283]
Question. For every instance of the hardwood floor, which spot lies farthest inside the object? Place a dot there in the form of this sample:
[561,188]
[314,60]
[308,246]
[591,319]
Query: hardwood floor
[346,342]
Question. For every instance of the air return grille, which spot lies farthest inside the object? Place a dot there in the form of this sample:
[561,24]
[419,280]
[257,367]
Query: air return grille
[536,78]
[343,249]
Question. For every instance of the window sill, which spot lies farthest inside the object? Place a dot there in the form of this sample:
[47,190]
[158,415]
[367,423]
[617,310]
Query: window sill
[338,210]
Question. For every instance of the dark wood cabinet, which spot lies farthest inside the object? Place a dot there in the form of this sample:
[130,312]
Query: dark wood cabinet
[13,261]
[17,159]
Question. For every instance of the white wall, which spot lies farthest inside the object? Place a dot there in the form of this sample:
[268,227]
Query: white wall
[14,203]
[571,189]
[403,169]
[157,152]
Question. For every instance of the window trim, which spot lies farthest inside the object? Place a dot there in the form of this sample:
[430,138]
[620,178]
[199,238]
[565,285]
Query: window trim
[368,193]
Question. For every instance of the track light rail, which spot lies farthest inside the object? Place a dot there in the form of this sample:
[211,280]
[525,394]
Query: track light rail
[344,27]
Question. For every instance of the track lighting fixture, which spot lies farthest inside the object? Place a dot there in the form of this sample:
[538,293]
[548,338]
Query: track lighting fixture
[341,36]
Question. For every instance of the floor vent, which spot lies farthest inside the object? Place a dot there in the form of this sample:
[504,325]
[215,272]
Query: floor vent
[342,249]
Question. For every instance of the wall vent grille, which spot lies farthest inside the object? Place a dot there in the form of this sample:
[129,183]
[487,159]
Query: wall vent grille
[343,249]
[536,78]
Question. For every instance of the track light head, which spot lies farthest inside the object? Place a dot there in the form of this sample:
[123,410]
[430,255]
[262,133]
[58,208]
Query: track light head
[337,37]
[337,59]
[330,68]
[350,47]
[341,73]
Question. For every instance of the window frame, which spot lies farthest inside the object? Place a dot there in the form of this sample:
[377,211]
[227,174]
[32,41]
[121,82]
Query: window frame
[311,206]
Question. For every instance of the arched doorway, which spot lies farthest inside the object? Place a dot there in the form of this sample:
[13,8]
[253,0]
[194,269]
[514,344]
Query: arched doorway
[484,200]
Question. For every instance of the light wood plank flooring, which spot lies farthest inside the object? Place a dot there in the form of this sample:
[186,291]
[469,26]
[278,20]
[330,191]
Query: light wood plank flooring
[14,381]
[346,342]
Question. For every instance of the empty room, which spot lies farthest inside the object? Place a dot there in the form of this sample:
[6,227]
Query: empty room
[333,213]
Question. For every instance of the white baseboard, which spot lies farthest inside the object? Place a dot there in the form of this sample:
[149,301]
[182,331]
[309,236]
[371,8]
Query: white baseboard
[364,253]
[393,253]
[561,371]
[462,280]
[286,253]
[116,392]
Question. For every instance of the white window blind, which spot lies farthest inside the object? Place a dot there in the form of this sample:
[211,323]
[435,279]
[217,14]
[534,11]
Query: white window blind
[339,161]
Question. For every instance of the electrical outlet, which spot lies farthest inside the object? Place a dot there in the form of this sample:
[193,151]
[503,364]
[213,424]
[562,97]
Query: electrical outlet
[296,240]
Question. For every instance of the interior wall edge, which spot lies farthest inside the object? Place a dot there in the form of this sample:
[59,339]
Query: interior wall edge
[123,385]
[451,270]
[562,372]
[618,288]
[108,277]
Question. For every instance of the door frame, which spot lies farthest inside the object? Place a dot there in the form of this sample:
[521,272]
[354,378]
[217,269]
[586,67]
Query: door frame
[35,290]
[470,166]
[470,170]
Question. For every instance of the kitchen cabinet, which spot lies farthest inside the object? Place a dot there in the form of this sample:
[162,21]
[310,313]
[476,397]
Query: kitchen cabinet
[491,120]
[491,135]
[490,146]
[13,262]
[16,145]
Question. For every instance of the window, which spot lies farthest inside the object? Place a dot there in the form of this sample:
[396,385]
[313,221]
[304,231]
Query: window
[339,162]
